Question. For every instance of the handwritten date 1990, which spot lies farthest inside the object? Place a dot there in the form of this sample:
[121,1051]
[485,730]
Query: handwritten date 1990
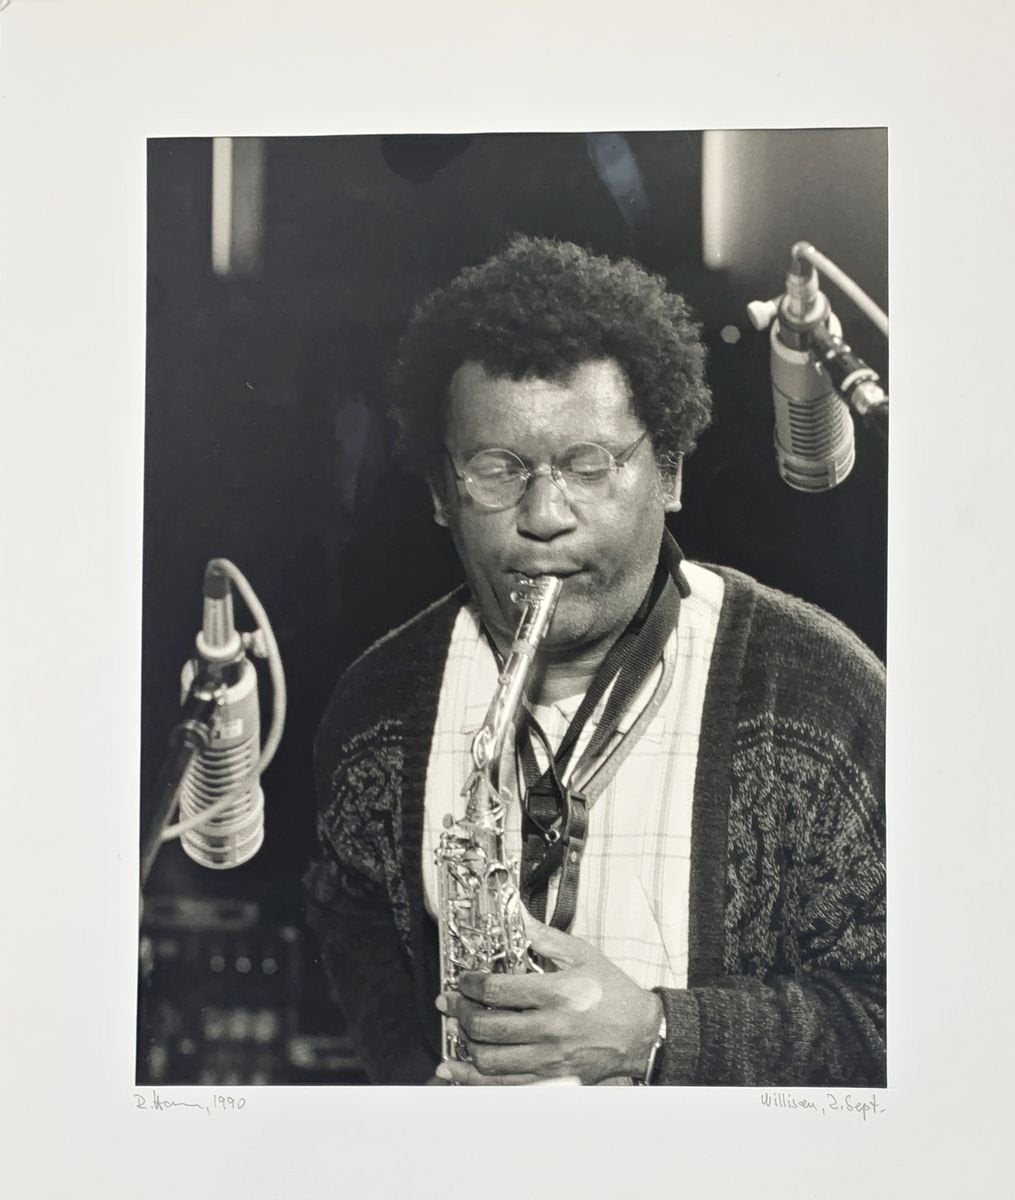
[217,1103]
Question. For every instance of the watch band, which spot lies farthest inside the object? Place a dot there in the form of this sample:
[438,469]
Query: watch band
[657,1045]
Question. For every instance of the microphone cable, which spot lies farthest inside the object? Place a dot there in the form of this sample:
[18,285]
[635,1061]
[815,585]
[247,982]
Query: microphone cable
[207,795]
[846,285]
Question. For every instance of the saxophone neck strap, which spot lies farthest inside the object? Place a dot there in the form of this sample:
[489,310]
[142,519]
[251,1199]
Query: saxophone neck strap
[558,849]
[555,816]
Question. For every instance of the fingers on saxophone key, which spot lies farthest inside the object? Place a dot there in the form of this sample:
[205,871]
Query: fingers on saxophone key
[481,1025]
[479,1055]
[477,1023]
[519,992]
[491,1026]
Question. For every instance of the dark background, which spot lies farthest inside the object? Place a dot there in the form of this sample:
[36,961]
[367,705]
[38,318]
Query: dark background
[266,442]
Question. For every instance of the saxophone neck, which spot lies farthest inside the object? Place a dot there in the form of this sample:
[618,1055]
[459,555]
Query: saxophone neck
[537,599]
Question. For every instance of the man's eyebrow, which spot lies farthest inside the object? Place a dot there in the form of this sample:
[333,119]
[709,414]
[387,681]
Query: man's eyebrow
[612,442]
[474,448]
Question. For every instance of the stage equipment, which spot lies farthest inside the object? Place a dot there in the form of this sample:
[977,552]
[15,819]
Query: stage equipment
[816,377]
[215,763]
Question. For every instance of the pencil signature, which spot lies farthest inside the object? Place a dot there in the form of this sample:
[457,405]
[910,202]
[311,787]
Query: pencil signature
[868,1105]
[217,1103]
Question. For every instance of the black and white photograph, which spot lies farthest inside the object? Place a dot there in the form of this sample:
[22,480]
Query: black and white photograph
[559,486]
[475,639]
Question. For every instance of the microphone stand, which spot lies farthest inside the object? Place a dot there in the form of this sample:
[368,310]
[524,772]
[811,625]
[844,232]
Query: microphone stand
[855,382]
[876,418]
[187,739]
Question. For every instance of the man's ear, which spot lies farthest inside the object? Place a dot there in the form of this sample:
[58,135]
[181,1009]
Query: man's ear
[440,514]
[673,483]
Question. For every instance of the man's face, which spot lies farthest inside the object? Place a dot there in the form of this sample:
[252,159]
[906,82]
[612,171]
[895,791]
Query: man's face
[605,551]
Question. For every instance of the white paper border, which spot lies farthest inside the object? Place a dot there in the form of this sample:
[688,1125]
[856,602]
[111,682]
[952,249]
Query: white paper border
[82,84]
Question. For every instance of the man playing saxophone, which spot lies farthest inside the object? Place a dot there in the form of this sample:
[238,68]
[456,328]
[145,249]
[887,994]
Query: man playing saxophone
[694,771]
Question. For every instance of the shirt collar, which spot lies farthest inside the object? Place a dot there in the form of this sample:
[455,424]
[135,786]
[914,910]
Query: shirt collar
[484,672]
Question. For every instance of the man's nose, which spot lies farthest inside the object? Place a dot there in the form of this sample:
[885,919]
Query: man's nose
[545,511]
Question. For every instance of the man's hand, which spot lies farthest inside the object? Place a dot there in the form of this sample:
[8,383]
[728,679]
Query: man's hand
[587,1019]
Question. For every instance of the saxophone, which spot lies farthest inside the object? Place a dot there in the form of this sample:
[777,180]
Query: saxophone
[480,919]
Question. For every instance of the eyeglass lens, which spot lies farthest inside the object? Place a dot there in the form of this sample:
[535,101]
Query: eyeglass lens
[500,477]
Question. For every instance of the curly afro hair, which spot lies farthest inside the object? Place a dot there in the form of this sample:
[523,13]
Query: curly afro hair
[541,308]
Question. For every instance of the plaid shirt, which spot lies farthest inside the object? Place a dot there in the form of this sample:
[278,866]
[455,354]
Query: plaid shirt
[634,884]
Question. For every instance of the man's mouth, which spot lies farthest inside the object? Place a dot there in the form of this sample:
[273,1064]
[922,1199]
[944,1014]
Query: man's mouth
[517,574]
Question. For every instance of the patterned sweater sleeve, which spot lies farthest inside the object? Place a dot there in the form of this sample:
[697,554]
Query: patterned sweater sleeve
[364,892]
[349,906]
[796,994]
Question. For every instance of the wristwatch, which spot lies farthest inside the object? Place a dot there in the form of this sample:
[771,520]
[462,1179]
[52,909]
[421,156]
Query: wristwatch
[657,1045]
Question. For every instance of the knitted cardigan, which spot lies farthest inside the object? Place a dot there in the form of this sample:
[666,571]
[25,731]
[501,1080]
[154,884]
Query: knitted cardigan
[786,972]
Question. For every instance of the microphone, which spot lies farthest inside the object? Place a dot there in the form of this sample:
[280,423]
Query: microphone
[224,772]
[814,445]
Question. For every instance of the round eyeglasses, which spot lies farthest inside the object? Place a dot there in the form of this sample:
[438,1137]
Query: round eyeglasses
[499,479]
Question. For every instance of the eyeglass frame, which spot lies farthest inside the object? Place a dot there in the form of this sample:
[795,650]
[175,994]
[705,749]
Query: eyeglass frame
[550,470]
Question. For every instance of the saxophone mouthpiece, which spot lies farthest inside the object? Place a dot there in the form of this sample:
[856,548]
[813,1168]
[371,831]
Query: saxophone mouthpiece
[542,589]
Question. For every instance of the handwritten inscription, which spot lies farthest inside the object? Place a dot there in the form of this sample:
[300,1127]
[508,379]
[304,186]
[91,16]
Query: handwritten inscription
[863,1106]
[217,1103]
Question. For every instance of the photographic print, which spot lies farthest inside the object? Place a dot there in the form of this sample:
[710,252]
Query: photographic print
[466,627]
[514,609]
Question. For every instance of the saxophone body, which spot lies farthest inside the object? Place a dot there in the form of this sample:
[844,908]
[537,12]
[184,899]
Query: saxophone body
[480,918]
